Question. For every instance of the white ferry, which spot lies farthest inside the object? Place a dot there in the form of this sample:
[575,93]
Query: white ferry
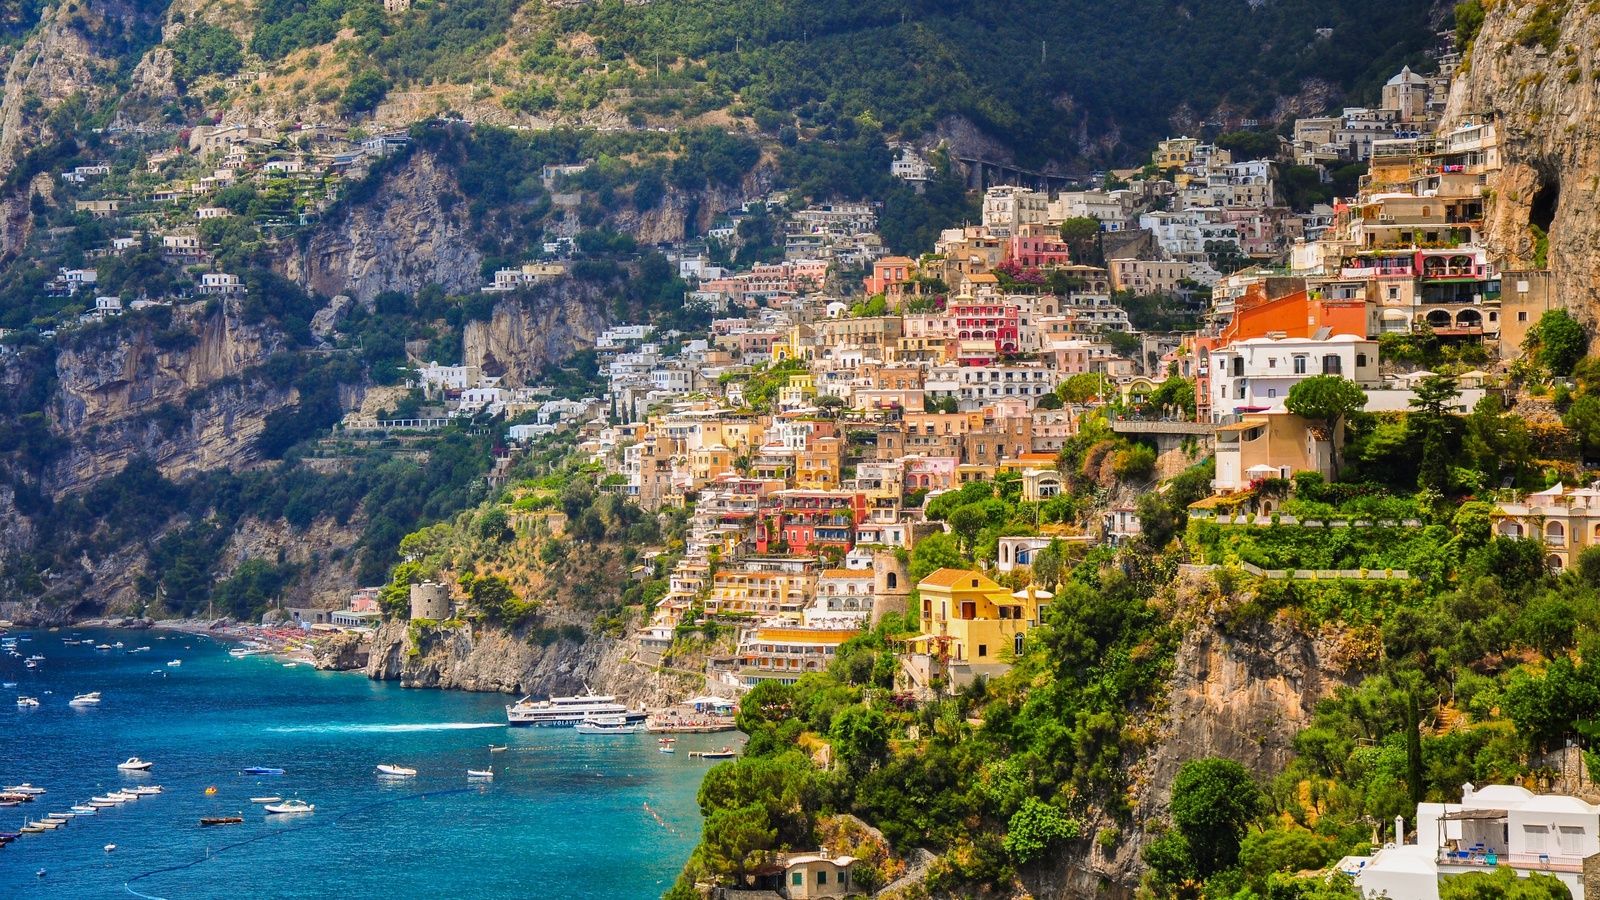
[566,712]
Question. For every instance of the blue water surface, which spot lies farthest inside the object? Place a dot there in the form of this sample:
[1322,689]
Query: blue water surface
[566,816]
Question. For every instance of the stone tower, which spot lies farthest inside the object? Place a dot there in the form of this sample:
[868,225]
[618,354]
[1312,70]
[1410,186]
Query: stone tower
[891,584]
[430,600]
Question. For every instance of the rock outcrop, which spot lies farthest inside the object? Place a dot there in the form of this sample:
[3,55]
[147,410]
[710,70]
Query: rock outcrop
[464,657]
[528,332]
[1538,83]
[412,233]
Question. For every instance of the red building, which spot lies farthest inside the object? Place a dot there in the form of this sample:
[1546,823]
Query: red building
[987,321]
[808,519]
[1032,252]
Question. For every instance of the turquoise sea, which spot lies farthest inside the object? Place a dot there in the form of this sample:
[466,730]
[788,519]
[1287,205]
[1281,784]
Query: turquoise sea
[566,816]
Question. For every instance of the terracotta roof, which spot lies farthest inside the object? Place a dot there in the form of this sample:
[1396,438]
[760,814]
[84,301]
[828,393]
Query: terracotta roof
[950,577]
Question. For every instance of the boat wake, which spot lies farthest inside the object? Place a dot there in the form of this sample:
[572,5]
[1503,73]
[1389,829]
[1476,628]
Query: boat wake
[384,729]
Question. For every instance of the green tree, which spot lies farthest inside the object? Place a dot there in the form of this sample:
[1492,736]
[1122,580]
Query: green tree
[1557,341]
[936,551]
[1081,388]
[1326,400]
[1082,237]
[1430,415]
[363,93]
[1213,801]
[1048,564]
[1035,828]
[967,521]
[1503,884]
[860,738]
[732,841]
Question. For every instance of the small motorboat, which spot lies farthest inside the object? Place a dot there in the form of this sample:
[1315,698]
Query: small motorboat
[61,816]
[134,764]
[117,645]
[8,684]
[146,790]
[102,803]
[266,799]
[668,748]
[102,646]
[110,847]
[31,664]
[36,658]
[25,788]
[499,749]
[260,770]
[30,828]
[724,753]
[90,699]
[481,773]
[606,725]
[290,806]
[27,701]
[46,825]
[396,771]
[175,663]
[124,796]
[209,821]
[290,665]
[83,809]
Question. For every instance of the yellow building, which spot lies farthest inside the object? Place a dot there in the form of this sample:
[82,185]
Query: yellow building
[969,619]
[818,466]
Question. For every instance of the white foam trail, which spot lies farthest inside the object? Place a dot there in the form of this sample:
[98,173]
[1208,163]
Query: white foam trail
[386,729]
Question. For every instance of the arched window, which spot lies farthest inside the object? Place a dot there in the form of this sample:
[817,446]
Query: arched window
[892,581]
[1555,533]
[1553,562]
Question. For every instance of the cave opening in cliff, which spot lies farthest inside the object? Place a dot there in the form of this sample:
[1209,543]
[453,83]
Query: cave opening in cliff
[1542,211]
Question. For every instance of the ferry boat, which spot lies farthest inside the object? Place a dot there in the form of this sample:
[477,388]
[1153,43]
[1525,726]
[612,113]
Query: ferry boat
[567,712]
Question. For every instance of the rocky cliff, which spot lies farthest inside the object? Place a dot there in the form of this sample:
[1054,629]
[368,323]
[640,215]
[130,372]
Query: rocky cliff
[1241,692]
[527,333]
[412,233]
[479,658]
[182,396]
[1532,70]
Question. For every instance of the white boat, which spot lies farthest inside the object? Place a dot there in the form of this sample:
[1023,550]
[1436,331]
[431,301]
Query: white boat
[176,662]
[62,816]
[146,790]
[24,788]
[102,646]
[36,658]
[31,664]
[84,809]
[45,824]
[290,806]
[123,796]
[396,771]
[481,773]
[117,645]
[98,803]
[606,725]
[566,712]
[266,799]
[27,701]
[134,764]
[90,699]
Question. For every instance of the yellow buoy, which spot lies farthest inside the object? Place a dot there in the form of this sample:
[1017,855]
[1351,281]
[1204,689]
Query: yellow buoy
[211,790]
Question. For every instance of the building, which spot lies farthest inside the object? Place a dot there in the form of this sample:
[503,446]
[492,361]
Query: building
[1566,519]
[968,618]
[1007,208]
[783,653]
[1497,826]
[430,600]
[220,284]
[1275,445]
[1256,375]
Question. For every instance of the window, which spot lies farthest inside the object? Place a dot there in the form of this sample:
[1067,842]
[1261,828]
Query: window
[1272,392]
[1332,365]
[1571,840]
[1017,644]
[1361,360]
[1300,365]
[983,650]
[1522,316]
[1272,363]
[822,878]
[1535,836]
[798,879]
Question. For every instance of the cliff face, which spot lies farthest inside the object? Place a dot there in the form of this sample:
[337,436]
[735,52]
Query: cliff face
[1243,695]
[1539,85]
[411,234]
[526,334]
[488,659]
[112,385]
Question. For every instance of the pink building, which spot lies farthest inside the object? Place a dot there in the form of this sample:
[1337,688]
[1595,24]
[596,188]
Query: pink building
[1037,252]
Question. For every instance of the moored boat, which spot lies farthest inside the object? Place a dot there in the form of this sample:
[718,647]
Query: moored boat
[480,773]
[208,821]
[567,712]
[606,725]
[90,699]
[25,788]
[266,799]
[28,702]
[145,790]
[260,770]
[135,764]
[290,806]
[83,809]
[396,771]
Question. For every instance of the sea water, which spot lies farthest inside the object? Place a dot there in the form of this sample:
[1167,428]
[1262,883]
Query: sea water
[566,816]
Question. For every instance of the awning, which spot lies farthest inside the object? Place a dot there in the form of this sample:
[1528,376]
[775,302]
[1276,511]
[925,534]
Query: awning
[1262,470]
[1478,815]
[1396,315]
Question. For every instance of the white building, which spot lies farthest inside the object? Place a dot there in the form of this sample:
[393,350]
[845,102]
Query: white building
[1495,826]
[910,166]
[1256,375]
[449,378]
[1007,208]
[220,284]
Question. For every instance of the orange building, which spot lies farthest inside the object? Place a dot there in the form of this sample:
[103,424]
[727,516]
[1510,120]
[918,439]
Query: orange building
[1283,307]
[890,276]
